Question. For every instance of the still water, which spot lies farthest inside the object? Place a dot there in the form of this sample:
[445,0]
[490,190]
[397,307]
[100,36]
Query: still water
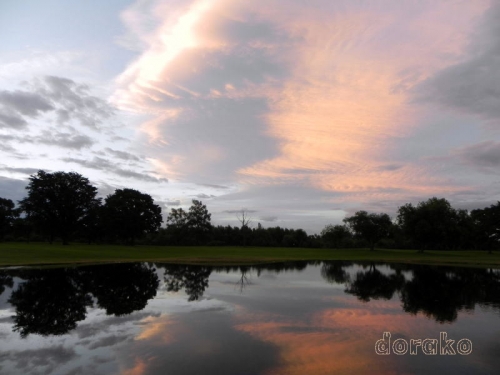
[291,318]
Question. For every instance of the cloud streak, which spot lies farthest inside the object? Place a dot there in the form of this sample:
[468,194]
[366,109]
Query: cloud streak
[105,165]
[62,97]
[318,94]
[470,86]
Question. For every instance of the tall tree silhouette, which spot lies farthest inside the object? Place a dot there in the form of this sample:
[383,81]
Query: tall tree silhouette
[58,202]
[7,216]
[198,220]
[129,214]
[371,227]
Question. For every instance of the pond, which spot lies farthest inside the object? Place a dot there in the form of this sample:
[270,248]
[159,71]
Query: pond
[291,318]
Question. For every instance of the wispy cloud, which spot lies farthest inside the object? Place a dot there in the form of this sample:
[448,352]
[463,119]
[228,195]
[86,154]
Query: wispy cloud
[105,165]
[291,94]
[63,97]
[285,107]
[470,86]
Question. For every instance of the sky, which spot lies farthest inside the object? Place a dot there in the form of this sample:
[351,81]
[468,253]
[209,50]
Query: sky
[300,113]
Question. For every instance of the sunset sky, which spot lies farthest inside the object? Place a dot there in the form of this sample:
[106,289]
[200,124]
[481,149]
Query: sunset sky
[301,112]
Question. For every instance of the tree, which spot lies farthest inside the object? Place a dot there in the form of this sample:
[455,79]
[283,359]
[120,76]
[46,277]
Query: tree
[92,227]
[177,226]
[245,220]
[57,202]
[487,225]
[371,227]
[244,217]
[335,235]
[177,218]
[198,221]
[431,224]
[7,216]
[129,214]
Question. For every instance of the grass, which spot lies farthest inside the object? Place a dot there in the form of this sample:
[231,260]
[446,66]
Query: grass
[23,254]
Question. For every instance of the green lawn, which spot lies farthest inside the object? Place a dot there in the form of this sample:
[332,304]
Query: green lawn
[15,254]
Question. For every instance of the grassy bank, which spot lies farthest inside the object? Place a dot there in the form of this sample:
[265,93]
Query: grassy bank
[16,254]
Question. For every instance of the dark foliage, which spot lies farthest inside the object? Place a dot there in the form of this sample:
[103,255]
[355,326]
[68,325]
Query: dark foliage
[58,202]
[129,214]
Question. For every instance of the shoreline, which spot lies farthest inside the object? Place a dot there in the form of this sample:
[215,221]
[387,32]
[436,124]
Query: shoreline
[44,254]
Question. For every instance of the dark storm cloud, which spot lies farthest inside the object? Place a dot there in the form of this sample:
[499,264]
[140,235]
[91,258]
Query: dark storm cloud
[471,86]
[105,165]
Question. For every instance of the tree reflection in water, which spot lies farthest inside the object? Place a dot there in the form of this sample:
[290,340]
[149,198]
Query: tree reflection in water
[373,284]
[53,301]
[437,292]
[193,279]
[5,280]
[121,289]
[49,302]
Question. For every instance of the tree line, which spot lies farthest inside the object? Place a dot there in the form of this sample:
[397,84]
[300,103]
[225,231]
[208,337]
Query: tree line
[64,206]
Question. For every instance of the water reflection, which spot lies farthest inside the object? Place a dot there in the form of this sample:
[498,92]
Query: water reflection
[193,279]
[49,302]
[437,292]
[5,281]
[52,301]
[293,318]
[121,289]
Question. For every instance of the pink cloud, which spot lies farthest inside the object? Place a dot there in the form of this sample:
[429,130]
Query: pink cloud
[341,97]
